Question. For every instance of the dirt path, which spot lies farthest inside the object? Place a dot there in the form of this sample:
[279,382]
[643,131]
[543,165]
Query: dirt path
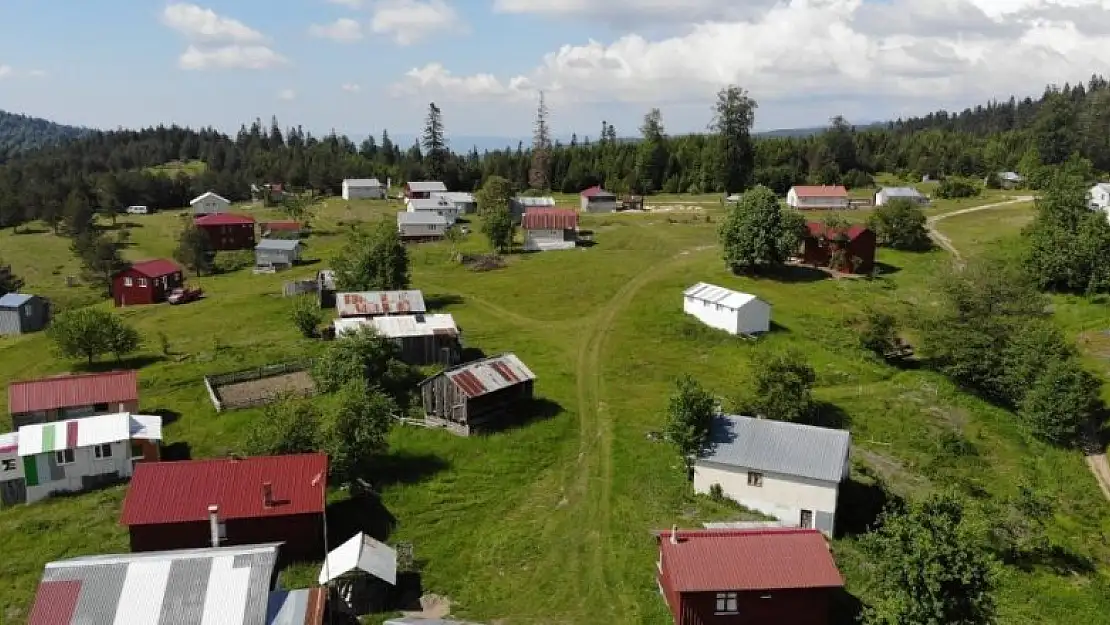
[1095,452]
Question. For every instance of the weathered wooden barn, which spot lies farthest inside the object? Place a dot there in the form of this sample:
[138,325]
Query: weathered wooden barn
[227,231]
[850,250]
[146,282]
[478,396]
[522,204]
[422,339]
[21,313]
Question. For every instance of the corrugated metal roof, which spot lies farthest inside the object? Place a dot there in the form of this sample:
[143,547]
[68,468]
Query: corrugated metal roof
[370,303]
[283,245]
[456,196]
[40,438]
[490,374]
[420,218]
[14,300]
[296,607]
[820,191]
[719,295]
[223,219]
[66,391]
[429,204]
[361,553]
[818,229]
[763,559]
[549,219]
[9,442]
[362,182]
[422,186]
[779,447]
[538,202]
[596,191]
[179,492]
[207,195]
[146,427]
[401,326]
[223,586]
[156,268]
[282,225]
[901,192]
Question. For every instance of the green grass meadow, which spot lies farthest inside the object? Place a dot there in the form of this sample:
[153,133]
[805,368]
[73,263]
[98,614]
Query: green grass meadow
[550,522]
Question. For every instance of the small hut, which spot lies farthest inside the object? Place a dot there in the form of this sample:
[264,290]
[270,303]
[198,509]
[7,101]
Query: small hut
[361,571]
[477,396]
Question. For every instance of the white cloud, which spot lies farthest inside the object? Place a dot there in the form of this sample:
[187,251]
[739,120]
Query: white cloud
[343,30]
[352,4]
[200,24]
[37,73]
[287,94]
[230,57]
[350,87]
[927,51]
[619,12]
[5,71]
[410,21]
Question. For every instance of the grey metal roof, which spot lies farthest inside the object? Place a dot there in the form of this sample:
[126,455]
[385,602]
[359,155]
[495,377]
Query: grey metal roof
[427,185]
[295,607]
[284,245]
[14,300]
[733,300]
[901,192]
[362,182]
[1010,176]
[534,201]
[456,196]
[417,218]
[162,587]
[779,447]
[433,203]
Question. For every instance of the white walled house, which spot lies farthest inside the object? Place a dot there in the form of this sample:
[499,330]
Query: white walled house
[75,455]
[824,197]
[363,189]
[1098,197]
[788,471]
[725,309]
[438,205]
[209,204]
[463,201]
[884,195]
[421,226]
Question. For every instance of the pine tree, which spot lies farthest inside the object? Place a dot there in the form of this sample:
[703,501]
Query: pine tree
[541,150]
[733,116]
[435,146]
[651,154]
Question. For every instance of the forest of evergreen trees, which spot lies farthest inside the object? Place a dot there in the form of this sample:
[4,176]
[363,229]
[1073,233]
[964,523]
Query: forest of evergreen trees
[20,133]
[106,169]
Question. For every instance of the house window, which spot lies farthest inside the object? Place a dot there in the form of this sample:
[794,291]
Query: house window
[65,456]
[755,478]
[136,450]
[806,519]
[726,603]
[431,227]
[127,282]
[7,464]
[142,282]
[27,312]
[100,407]
[103,451]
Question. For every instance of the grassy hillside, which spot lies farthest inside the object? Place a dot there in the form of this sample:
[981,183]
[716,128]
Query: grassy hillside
[19,133]
[549,522]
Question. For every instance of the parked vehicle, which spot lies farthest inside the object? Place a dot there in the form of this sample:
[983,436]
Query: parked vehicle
[183,295]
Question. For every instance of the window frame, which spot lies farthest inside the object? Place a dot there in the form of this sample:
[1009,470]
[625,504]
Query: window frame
[127,281]
[141,283]
[727,603]
[755,479]
[62,457]
[102,451]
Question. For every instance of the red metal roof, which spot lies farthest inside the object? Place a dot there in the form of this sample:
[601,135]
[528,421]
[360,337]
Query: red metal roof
[821,191]
[223,219]
[180,492]
[282,225]
[596,190]
[818,229]
[55,603]
[763,559]
[155,268]
[549,219]
[66,391]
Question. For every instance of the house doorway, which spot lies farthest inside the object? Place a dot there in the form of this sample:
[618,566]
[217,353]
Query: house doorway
[806,520]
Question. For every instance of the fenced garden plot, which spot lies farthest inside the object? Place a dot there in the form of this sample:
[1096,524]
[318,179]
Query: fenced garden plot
[259,386]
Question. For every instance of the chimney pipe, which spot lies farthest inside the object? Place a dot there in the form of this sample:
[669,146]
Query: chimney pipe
[214,524]
[674,534]
[267,494]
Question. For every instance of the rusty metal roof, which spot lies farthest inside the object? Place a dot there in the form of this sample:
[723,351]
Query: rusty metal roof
[549,219]
[820,191]
[69,391]
[400,326]
[485,376]
[374,303]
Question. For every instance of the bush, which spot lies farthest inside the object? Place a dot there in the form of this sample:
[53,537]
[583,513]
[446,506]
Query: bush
[306,315]
[89,333]
[856,179]
[954,188]
[783,386]
[878,333]
[227,262]
[900,224]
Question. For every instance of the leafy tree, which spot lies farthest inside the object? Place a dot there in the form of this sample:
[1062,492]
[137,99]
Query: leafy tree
[795,228]
[306,315]
[857,179]
[498,227]
[100,258]
[194,250]
[368,357]
[1062,401]
[931,567]
[290,425]
[733,116]
[954,188]
[78,214]
[1032,345]
[90,332]
[9,282]
[783,386]
[372,261]
[539,173]
[435,144]
[689,416]
[494,195]
[753,232]
[1068,242]
[358,430]
[879,333]
[900,224]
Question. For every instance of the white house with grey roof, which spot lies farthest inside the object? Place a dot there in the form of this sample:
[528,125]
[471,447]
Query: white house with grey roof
[789,471]
[421,225]
[725,309]
[277,253]
[886,194]
[439,205]
[363,189]
[463,201]
[1098,197]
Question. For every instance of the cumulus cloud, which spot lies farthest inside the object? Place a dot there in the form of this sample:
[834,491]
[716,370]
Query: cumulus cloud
[200,24]
[350,87]
[351,4]
[230,57]
[926,50]
[5,70]
[410,21]
[624,12]
[343,30]
[287,94]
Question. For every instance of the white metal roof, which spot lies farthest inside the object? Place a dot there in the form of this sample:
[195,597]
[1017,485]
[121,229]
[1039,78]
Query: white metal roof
[362,182]
[429,204]
[778,447]
[209,194]
[9,442]
[418,218]
[901,192]
[360,553]
[400,326]
[719,295]
[427,185]
[534,201]
[40,438]
[456,196]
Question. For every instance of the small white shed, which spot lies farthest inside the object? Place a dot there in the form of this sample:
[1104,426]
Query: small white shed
[728,310]
[363,189]
[209,204]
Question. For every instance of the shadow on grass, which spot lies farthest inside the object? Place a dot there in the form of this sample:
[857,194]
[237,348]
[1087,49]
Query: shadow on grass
[789,274]
[134,362]
[361,513]
[470,354]
[1058,559]
[168,416]
[405,468]
[860,501]
[885,269]
[845,608]
[442,300]
[585,243]
[176,452]
[307,262]
[778,328]
[22,231]
[828,415]
[120,225]
[529,411]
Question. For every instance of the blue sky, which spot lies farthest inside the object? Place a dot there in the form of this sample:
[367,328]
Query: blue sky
[363,65]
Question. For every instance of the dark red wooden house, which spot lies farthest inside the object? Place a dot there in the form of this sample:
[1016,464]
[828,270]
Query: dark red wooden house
[228,231]
[244,501]
[784,576]
[848,250]
[146,282]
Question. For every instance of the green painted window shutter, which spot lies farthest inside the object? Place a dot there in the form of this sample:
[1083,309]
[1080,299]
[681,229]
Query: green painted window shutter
[31,470]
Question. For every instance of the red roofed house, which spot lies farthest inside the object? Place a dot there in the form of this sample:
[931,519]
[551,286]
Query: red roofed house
[72,397]
[549,229]
[784,576]
[598,200]
[477,396]
[274,229]
[174,505]
[227,231]
[822,197]
[851,250]
[146,282]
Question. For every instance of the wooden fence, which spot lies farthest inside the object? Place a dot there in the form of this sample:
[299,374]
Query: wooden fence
[213,383]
